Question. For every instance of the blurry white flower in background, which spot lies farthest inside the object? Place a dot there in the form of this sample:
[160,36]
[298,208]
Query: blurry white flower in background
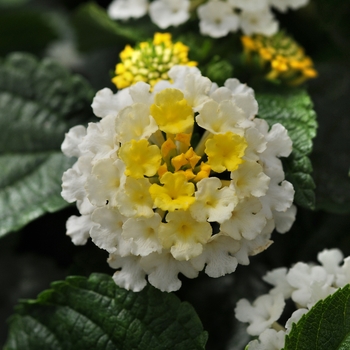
[166,13]
[305,284]
[217,18]
[125,9]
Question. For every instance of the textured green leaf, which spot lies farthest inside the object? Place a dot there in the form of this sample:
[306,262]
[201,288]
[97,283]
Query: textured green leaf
[95,29]
[94,313]
[294,110]
[325,327]
[39,102]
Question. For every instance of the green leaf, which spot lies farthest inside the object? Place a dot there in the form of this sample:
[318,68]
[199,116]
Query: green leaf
[11,3]
[325,327]
[39,102]
[95,29]
[24,30]
[94,313]
[218,70]
[294,110]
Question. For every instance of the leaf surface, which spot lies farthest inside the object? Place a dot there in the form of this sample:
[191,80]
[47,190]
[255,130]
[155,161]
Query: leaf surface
[39,102]
[95,29]
[294,110]
[94,313]
[325,327]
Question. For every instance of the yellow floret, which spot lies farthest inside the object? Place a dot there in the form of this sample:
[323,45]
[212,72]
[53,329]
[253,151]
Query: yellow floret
[150,61]
[225,151]
[176,192]
[280,56]
[172,112]
[140,158]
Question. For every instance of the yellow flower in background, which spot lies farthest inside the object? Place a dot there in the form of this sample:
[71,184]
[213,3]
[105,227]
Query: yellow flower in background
[150,61]
[282,58]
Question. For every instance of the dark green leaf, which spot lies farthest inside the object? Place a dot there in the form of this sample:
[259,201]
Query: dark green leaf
[294,110]
[39,102]
[24,30]
[95,313]
[325,327]
[218,70]
[11,3]
[96,30]
[331,154]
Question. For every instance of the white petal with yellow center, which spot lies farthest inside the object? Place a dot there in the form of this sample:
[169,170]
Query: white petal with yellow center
[247,220]
[134,199]
[227,117]
[184,235]
[249,179]
[143,233]
[103,185]
[213,203]
[134,123]
[244,101]
[108,233]
[196,90]
[100,139]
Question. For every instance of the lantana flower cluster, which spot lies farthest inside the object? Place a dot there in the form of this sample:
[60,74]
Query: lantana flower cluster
[150,61]
[217,18]
[280,57]
[305,284]
[177,179]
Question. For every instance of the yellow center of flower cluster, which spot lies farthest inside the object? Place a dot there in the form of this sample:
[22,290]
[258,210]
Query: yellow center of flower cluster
[172,166]
[150,61]
[284,57]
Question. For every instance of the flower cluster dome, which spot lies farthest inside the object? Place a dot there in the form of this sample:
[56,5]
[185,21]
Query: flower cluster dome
[280,57]
[177,179]
[150,61]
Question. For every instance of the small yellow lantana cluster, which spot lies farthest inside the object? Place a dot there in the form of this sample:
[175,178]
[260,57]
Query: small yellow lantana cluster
[150,61]
[177,179]
[281,56]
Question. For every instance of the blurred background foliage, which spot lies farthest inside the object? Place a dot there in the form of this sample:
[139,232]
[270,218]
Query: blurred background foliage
[79,35]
